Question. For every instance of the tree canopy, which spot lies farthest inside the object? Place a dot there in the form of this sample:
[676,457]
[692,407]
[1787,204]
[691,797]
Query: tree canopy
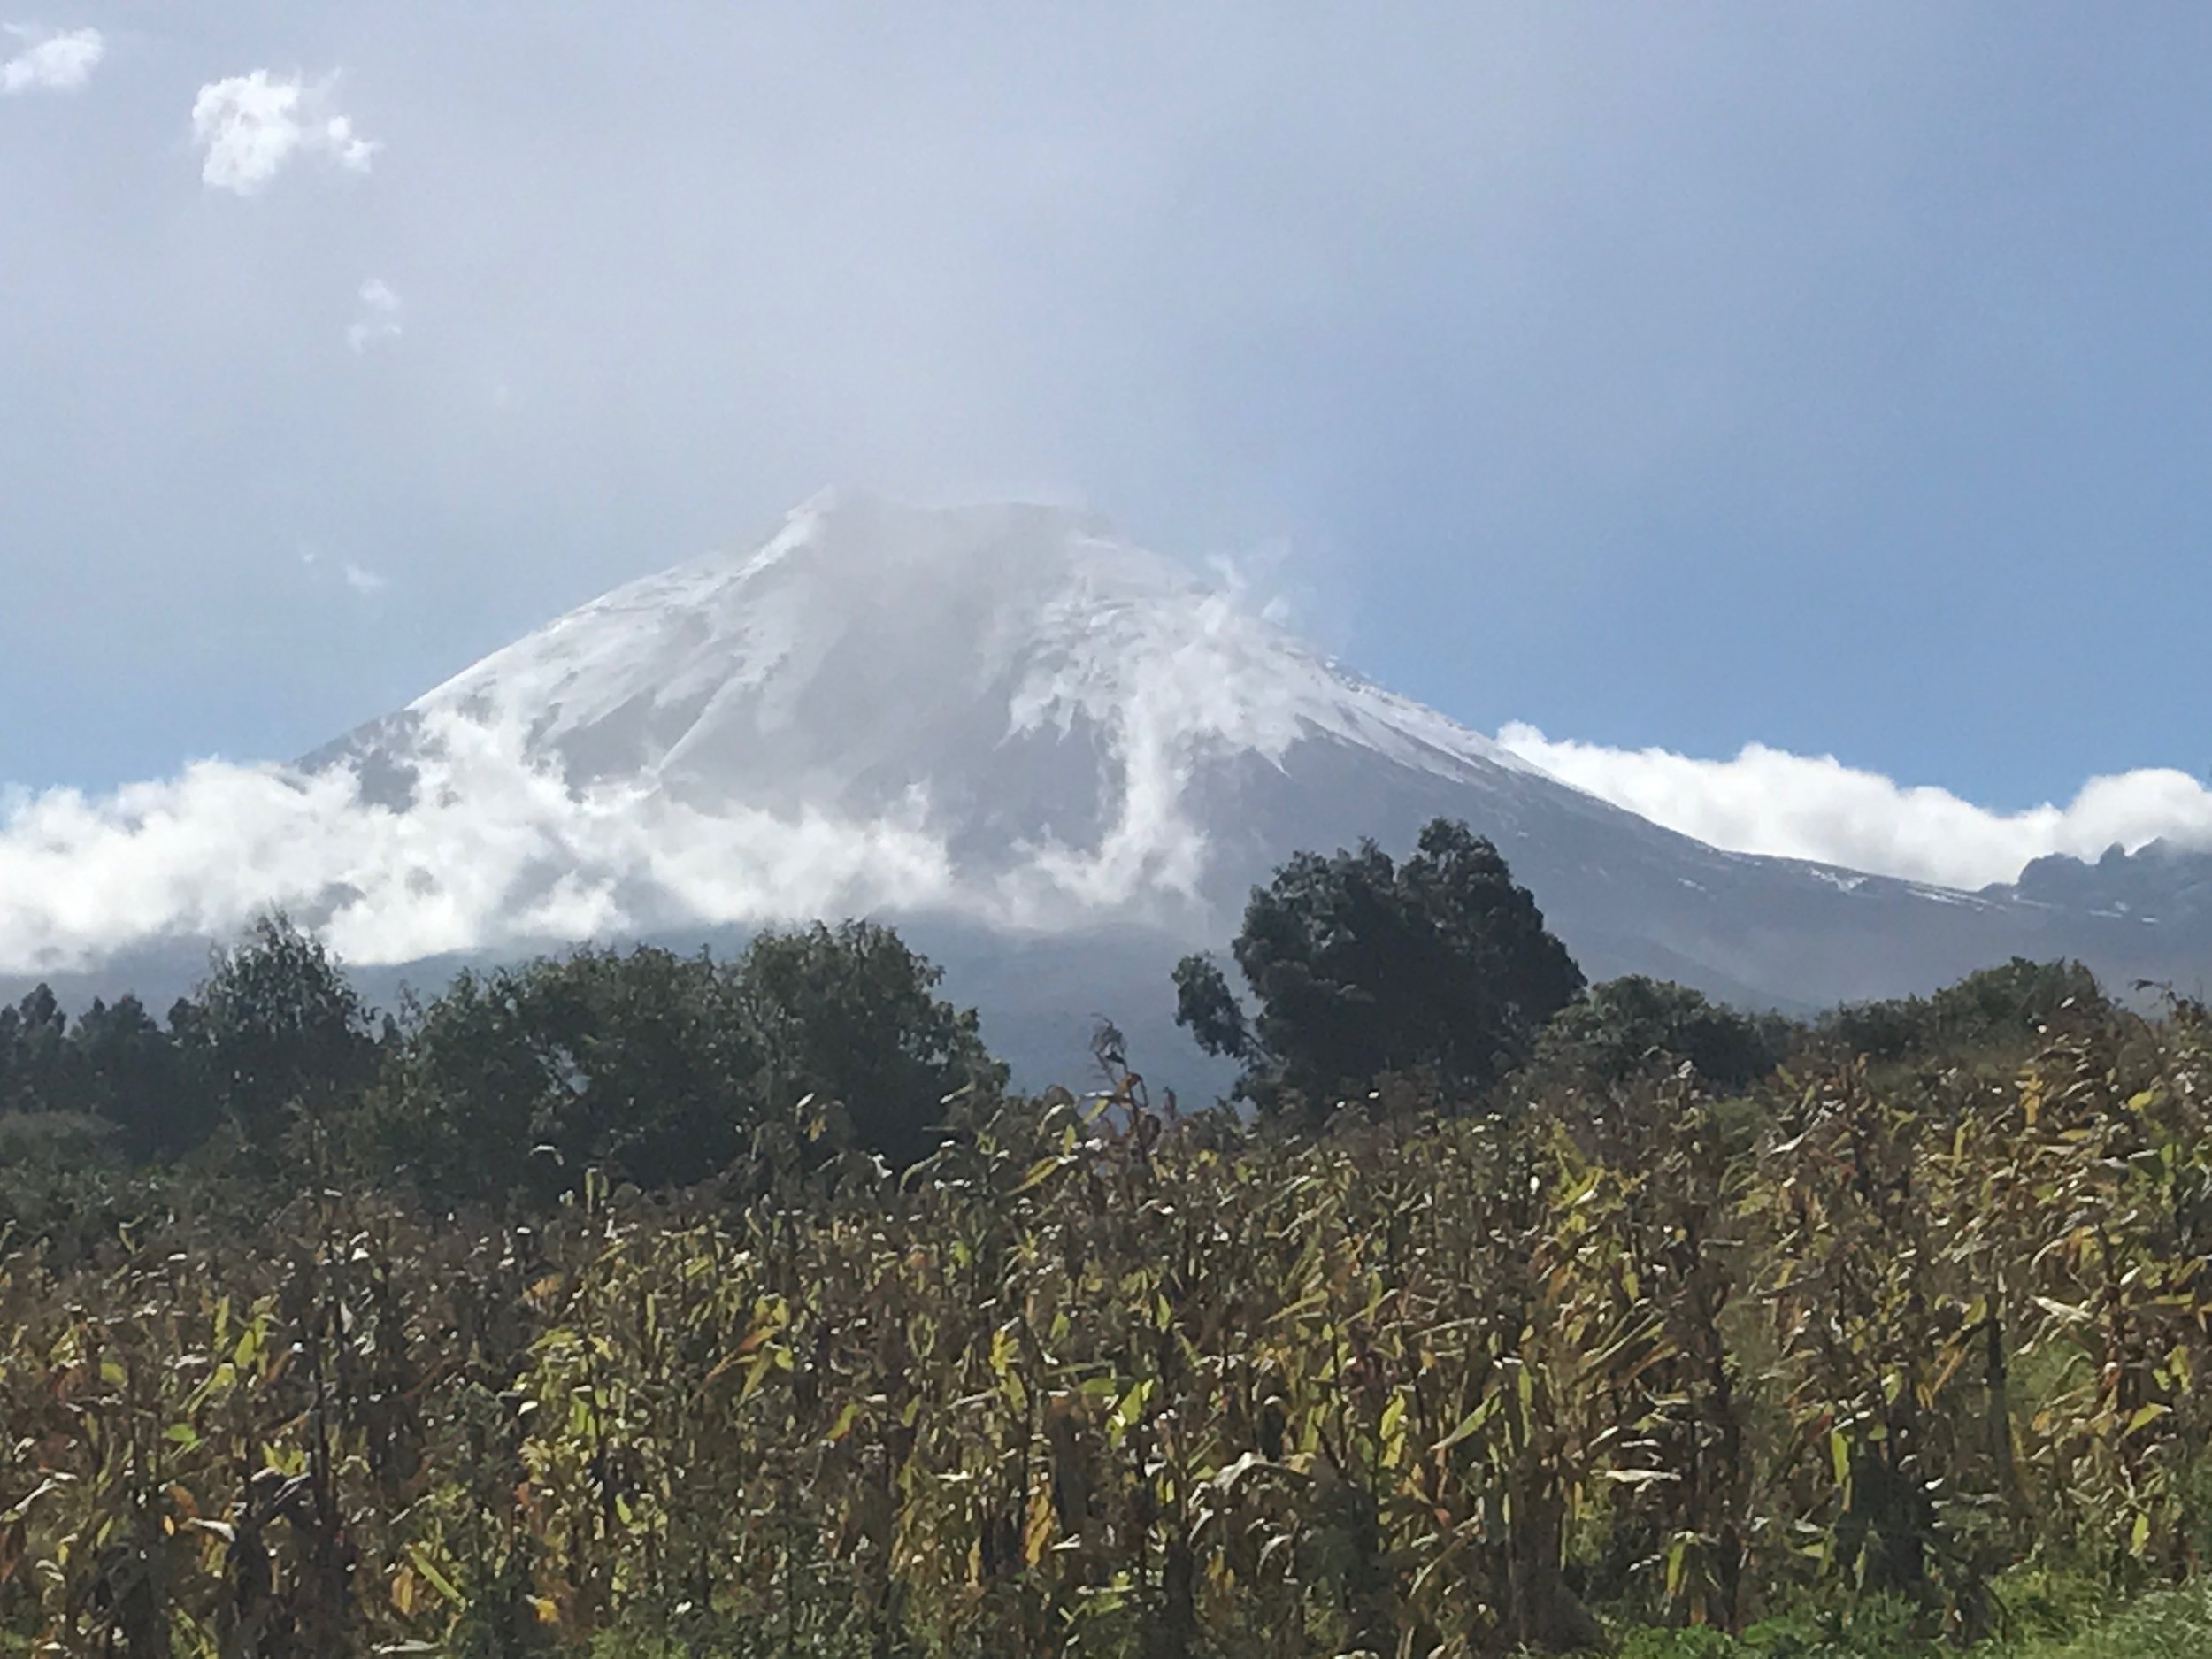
[1361,966]
[1621,1027]
[279,1029]
[634,1063]
[1995,1010]
[850,1015]
[659,1068]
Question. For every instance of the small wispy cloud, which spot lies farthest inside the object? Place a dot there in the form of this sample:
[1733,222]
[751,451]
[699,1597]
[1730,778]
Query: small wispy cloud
[1804,806]
[355,575]
[251,125]
[379,318]
[51,60]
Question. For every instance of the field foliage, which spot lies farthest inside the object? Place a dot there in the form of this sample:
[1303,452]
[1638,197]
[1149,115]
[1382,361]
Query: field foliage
[1861,1356]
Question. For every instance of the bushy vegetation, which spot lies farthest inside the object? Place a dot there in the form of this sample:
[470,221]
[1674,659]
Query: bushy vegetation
[1986,1015]
[631,1305]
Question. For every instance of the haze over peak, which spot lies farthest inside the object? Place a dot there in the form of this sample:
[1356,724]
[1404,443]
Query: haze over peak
[1037,690]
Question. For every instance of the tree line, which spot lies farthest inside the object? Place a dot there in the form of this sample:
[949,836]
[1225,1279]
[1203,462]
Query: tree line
[662,1070]
[655,1068]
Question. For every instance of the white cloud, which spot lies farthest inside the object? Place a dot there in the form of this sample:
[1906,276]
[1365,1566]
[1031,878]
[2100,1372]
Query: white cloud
[356,576]
[1798,806]
[499,850]
[51,60]
[495,849]
[251,125]
[380,316]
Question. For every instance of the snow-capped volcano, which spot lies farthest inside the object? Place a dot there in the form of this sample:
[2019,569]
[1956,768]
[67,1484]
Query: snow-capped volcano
[1009,724]
[730,670]
[1040,690]
[1048,705]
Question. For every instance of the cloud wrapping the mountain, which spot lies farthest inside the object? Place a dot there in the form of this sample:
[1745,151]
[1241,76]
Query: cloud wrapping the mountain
[1165,702]
[55,61]
[494,850]
[1804,806]
[498,850]
[251,125]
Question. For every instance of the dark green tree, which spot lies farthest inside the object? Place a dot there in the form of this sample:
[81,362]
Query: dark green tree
[632,1063]
[1616,1029]
[130,1075]
[1440,965]
[851,1016]
[658,1068]
[1993,1013]
[34,1055]
[279,1032]
[2019,998]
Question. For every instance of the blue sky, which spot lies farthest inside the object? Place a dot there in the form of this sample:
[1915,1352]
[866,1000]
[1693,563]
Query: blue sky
[1831,378]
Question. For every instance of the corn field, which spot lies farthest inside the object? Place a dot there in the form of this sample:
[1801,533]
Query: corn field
[1093,1381]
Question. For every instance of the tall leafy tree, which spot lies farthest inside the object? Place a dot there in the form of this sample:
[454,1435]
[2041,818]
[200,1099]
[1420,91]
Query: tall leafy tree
[34,1055]
[1622,1026]
[850,1015]
[281,1030]
[1994,1012]
[659,1068]
[634,1063]
[1360,966]
[129,1074]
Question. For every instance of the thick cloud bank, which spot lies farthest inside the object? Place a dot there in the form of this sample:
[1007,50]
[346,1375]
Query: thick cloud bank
[498,848]
[494,850]
[1801,806]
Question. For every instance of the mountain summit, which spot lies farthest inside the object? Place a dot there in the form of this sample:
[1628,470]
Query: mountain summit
[1008,726]
[1031,684]
[1052,707]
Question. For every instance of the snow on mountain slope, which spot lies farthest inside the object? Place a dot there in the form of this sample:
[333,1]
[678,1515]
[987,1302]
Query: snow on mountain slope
[862,628]
[1037,692]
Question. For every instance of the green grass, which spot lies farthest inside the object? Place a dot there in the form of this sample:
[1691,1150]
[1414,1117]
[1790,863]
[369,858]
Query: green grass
[2167,1625]
[2170,1624]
